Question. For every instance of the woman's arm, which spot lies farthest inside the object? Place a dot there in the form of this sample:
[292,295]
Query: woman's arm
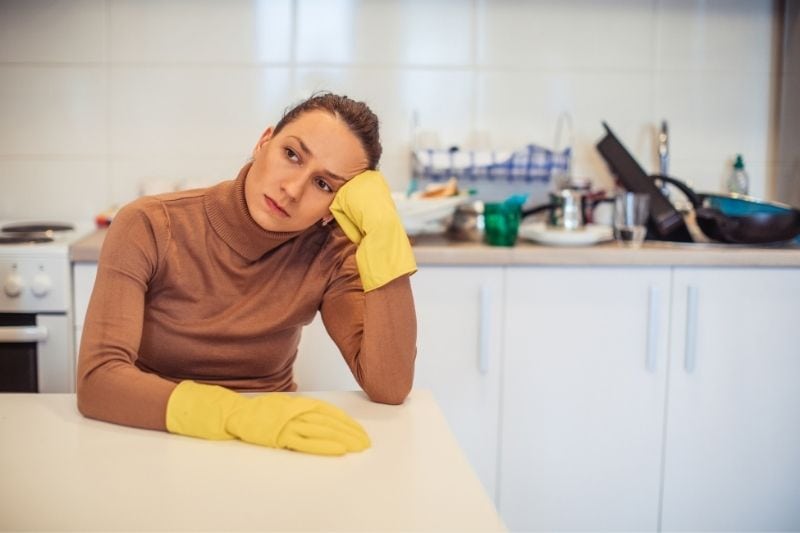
[376,333]
[110,387]
[369,308]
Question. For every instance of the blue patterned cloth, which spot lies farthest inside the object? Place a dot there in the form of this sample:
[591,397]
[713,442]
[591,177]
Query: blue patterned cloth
[531,164]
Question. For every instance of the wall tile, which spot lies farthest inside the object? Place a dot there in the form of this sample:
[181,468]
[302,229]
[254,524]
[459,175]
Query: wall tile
[67,189]
[519,108]
[389,32]
[52,31]
[441,99]
[130,175]
[52,110]
[204,31]
[566,34]
[710,175]
[713,116]
[715,35]
[193,111]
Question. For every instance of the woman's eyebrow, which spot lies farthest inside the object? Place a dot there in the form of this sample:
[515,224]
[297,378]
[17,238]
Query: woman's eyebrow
[308,152]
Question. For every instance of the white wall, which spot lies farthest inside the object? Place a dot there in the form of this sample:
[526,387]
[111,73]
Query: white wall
[98,95]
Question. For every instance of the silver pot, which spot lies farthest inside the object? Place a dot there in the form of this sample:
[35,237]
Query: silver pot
[467,222]
[569,209]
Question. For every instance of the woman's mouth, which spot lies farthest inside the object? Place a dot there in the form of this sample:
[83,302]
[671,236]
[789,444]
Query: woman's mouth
[273,206]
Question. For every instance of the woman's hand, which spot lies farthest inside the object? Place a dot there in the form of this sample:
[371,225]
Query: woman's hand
[276,420]
[364,209]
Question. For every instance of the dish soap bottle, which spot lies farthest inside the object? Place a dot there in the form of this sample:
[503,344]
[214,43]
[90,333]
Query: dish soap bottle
[738,182]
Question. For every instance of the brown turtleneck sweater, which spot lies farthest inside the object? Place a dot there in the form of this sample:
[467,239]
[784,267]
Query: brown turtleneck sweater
[190,287]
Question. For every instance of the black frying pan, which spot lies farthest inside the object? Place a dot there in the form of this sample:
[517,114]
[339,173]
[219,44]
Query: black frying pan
[762,223]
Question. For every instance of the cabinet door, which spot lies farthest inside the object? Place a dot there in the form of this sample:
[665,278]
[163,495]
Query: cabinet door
[83,276]
[459,312]
[733,421]
[583,398]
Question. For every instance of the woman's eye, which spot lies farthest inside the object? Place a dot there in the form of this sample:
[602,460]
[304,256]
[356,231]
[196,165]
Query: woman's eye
[291,155]
[322,184]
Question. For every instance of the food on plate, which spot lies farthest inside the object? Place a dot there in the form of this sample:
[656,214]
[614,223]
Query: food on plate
[444,190]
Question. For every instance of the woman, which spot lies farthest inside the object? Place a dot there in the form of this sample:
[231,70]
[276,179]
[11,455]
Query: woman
[201,292]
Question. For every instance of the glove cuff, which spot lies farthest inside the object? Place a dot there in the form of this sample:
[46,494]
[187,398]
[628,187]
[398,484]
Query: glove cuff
[198,410]
[379,265]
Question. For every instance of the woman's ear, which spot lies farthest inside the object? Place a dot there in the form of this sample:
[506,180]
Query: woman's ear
[327,220]
[266,136]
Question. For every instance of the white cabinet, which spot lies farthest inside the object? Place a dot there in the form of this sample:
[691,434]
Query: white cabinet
[733,420]
[459,317]
[583,397]
[83,276]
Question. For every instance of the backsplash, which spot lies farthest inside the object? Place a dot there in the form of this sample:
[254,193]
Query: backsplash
[98,97]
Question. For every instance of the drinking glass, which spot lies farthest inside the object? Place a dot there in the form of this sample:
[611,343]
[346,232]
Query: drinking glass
[501,223]
[631,210]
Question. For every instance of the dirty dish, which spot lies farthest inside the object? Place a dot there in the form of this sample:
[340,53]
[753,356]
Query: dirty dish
[588,235]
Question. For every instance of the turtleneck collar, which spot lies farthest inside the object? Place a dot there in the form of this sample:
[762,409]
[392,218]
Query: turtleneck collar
[227,212]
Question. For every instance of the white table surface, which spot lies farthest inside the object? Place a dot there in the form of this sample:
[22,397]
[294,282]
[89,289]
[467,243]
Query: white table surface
[61,471]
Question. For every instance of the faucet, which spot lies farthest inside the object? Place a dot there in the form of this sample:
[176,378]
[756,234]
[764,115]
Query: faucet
[663,149]
[663,159]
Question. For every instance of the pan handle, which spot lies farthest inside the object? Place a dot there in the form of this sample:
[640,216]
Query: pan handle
[690,194]
[537,209]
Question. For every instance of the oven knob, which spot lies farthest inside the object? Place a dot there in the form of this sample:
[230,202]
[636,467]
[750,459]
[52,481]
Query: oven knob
[13,285]
[41,285]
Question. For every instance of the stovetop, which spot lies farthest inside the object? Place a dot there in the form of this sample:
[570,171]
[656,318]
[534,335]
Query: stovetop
[23,237]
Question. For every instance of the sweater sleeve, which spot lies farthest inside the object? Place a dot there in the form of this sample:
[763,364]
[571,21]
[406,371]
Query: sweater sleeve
[376,332]
[109,385]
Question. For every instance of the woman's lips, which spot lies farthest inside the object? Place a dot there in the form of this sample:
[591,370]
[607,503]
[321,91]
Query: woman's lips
[273,206]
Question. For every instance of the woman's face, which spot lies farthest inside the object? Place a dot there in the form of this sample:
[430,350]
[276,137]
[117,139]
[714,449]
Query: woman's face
[296,172]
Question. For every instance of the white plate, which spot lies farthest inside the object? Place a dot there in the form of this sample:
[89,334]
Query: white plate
[544,234]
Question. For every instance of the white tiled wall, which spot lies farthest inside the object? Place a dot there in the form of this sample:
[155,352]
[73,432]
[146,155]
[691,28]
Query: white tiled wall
[100,96]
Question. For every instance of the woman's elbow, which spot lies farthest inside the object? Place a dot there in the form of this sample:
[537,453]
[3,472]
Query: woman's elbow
[85,396]
[391,393]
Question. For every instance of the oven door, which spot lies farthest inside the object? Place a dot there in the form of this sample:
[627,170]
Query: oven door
[35,354]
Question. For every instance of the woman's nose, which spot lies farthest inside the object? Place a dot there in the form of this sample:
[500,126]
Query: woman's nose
[294,185]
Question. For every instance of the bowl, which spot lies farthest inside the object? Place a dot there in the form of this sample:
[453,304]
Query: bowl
[425,215]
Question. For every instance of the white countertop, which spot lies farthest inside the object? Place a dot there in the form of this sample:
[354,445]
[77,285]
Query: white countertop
[60,471]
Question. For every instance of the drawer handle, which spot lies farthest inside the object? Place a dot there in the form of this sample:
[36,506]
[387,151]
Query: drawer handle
[23,334]
[484,329]
[652,330]
[690,355]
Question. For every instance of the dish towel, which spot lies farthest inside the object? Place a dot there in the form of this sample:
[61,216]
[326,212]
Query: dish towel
[527,165]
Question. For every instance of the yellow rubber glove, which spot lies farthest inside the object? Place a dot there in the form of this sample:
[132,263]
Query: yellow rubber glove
[364,209]
[275,420]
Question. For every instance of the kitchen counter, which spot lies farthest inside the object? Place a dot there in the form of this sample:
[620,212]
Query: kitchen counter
[436,250]
[63,472]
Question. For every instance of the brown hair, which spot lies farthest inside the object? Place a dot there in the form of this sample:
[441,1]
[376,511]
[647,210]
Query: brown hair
[357,115]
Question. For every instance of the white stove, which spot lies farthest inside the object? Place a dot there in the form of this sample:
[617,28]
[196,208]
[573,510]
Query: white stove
[36,341]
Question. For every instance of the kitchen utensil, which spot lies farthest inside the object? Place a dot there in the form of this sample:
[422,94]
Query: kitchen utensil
[631,210]
[665,221]
[467,223]
[569,208]
[740,219]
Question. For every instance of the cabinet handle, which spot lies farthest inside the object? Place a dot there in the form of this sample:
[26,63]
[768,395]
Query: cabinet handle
[9,334]
[484,329]
[691,329]
[652,330]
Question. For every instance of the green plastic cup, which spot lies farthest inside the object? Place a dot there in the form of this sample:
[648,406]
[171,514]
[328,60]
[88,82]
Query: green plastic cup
[501,223]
